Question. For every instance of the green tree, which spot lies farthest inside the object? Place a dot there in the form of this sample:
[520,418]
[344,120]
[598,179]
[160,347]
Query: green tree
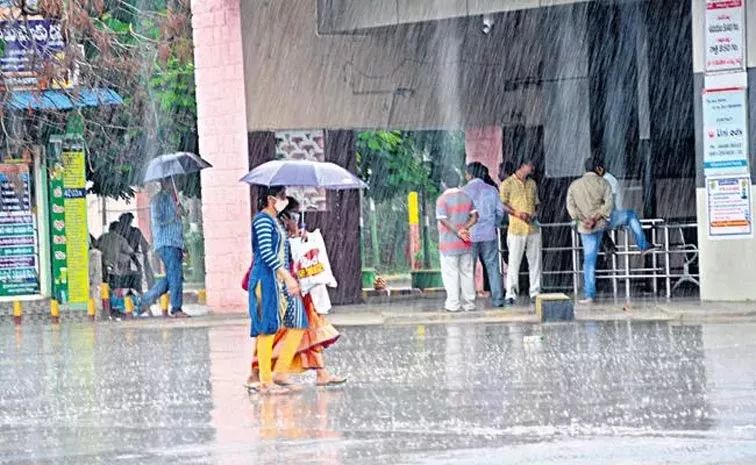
[143,50]
[392,165]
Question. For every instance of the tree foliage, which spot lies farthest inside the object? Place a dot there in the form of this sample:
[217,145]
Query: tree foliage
[143,50]
[394,163]
[391,165]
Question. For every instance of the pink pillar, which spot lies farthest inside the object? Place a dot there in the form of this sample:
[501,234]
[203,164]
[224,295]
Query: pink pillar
[484,145]
[222,128]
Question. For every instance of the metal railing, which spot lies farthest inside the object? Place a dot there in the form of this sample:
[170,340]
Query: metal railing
[657,267]
[545,250]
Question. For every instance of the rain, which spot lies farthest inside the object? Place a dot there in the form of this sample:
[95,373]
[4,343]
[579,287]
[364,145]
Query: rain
[376,231]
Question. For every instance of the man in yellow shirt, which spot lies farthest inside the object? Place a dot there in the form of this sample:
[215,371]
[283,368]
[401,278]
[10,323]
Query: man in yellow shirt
[519,194]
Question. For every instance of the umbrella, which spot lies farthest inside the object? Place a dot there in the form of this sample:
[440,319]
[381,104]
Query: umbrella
[174,164]
[302,173]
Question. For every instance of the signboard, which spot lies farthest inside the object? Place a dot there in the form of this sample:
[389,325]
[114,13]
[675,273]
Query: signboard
[68,225]
[725,138]
[19,259]
[34,55]
[725,49]
[729,207]
[303,145]
[58,233]
[77,232]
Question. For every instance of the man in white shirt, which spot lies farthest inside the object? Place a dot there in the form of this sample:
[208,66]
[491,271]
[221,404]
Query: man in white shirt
[621,216]
[616,191]
[607,244]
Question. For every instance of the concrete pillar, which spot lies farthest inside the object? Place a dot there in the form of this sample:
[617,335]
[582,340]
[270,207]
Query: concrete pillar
[727,267]
[221,121]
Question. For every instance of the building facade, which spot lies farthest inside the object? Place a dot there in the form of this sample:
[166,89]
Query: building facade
[551,80]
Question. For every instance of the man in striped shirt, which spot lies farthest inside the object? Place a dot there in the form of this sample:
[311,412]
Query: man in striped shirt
[456,215]
[168,237]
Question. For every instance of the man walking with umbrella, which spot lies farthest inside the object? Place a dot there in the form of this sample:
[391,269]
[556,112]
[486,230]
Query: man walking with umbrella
[167,228]
[168,237]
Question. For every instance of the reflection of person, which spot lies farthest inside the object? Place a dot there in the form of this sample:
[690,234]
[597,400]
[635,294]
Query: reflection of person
[139,245]
[320,333]
[519,194]
[168,234]
[456,215]
[485,244]
[280,418]
[590,204]
[272,306]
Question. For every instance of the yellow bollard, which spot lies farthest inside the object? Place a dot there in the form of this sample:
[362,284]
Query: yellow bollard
[202,297]
[91,310]
[128,305]
[129,336]
[164,304]
[18,311]
[420,332]
[55,311]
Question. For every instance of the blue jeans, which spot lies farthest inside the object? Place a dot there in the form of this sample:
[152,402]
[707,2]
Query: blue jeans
[591,244]
[630,219]
[172,283]
[489,253]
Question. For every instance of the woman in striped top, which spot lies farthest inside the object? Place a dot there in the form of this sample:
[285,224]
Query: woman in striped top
[272,288]
[320,333]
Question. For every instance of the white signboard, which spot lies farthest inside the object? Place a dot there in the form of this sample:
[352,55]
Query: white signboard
[725,44]
[729,205]
[725,137]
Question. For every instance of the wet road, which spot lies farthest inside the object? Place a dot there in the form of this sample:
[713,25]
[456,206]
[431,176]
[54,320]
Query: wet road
[588,393]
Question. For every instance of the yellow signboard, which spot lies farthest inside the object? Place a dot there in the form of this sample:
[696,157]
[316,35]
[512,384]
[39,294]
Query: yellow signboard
[413,207]
[76,228]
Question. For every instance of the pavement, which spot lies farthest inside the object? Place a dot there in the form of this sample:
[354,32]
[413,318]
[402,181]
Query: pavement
[429,310]
[478,393]
[426,311]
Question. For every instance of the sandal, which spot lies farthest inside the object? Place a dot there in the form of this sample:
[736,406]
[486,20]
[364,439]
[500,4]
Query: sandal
[272,390]
[333,381]
[282,380]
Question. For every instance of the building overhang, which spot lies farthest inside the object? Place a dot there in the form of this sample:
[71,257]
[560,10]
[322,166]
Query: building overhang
[349,16]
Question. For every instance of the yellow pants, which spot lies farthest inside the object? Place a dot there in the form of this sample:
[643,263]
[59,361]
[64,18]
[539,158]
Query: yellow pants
[265,353]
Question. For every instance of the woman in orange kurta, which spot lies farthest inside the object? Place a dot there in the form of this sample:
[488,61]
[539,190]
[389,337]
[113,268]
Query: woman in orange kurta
[319,335]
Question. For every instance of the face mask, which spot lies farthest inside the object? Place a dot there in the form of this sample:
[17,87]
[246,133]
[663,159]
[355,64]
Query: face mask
[295,217]
[281,204]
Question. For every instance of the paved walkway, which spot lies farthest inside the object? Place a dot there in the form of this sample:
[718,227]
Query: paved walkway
[428,311]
